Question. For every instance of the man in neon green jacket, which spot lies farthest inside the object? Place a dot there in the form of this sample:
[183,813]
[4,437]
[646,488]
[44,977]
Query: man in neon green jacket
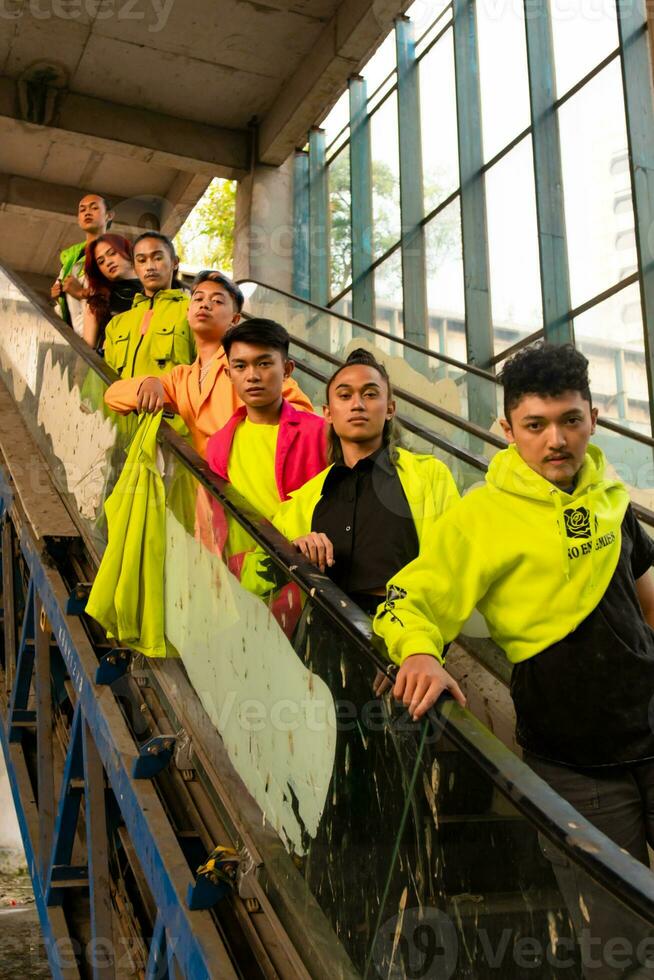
[155,335]
[538,550]
[551,553]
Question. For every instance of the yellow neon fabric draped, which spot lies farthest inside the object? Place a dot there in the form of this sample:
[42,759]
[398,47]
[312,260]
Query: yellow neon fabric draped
[127,597]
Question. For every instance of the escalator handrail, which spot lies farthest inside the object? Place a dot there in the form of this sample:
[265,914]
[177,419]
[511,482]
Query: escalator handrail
[627,879]
[445,358]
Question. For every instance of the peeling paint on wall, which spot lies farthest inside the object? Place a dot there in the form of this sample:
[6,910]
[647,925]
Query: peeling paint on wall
[81,437]
[276,718]
[19,347]
[83,444]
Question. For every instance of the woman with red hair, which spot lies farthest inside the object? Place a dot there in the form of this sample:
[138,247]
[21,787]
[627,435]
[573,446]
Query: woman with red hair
[112,284]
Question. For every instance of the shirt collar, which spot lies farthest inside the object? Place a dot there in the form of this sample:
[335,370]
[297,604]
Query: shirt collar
[380,458]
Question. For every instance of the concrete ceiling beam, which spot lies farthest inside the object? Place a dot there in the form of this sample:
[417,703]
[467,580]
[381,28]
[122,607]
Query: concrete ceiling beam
[343,46]
[45,201]
[184,193]
[137,134]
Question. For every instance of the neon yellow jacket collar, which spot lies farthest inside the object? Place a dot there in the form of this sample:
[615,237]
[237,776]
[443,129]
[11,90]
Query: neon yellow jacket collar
[427,483]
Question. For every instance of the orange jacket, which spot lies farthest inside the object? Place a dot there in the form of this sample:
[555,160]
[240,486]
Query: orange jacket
[203,412]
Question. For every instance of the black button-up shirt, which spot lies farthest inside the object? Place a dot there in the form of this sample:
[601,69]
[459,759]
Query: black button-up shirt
[365,514]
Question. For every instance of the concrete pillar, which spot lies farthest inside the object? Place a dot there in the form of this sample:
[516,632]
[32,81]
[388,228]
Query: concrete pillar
[263,231]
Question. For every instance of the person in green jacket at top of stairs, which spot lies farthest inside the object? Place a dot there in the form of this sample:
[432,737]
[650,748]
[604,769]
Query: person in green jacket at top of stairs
[69,289]
[155,335]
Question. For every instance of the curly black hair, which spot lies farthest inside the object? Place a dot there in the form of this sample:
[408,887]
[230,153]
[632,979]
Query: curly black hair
[546,370]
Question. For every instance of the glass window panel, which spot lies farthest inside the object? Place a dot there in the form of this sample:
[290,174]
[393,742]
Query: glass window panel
[378,97]
[440,152]
[337,120]
[504,78]
[593,136]
[427,38]
[513,247]
[584,32]
[611,336]
[340,235]
[423,13]
[445,296]
[344,304]
[384,141]
[381,64]
[389,302]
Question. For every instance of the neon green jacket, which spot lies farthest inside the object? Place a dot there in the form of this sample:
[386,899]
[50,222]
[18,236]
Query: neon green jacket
[535,561]
[68,258]
[428,484]
[168,340]
[127,597]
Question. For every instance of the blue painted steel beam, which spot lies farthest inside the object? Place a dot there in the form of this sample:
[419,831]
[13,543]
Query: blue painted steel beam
[70,799]
[637,84]
[97,845]
[552,247]
[56,940]
[158,965]
[18,711]
[319,218]
[474,232]
[363,280]
[301,270]
[414,280]
[44,733]
[199,950]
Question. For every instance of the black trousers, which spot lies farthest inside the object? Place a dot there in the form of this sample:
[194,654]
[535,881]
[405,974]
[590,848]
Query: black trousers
[619,801]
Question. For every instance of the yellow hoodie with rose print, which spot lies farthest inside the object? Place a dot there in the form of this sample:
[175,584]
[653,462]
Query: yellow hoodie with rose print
[533,559]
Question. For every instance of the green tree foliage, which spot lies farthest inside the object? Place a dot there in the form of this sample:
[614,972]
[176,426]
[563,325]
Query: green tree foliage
[386,210]
[206,240]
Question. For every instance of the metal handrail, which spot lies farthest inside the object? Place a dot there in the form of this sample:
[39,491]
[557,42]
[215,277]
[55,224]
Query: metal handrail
[626,878]
[451,361]
[445,358]
[471,428]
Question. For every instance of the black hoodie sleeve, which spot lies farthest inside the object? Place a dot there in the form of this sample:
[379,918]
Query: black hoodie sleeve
[642,554]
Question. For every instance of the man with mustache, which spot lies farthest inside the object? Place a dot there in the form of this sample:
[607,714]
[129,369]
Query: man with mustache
[551,553]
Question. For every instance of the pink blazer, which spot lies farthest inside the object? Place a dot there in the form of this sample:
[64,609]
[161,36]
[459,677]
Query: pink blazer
[301,448]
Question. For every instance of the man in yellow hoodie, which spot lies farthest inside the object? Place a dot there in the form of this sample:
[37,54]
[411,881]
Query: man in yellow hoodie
[551,553]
